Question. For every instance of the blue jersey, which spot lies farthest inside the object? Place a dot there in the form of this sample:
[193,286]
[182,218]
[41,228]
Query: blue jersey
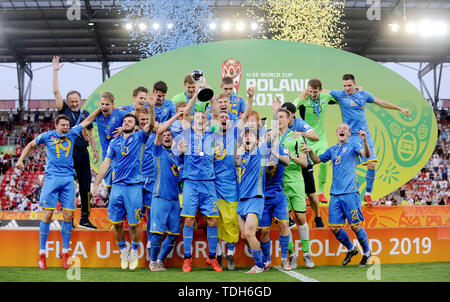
[353,108]
[130,108]
[198,161]
[126,154]
[344,160]
[253,173]
[147,167]
[176,128]
[106,126]
[167,171]
[275,174]
[59,151]
[225,152]
[237,107]
[165,112]
[300,125]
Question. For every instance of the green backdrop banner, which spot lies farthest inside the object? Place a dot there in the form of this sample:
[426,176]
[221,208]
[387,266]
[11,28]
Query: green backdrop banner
[281,68]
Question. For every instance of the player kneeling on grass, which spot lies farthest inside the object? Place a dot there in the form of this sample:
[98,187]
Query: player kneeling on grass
[165,214]
[125,201]
[58,180]
[345,200]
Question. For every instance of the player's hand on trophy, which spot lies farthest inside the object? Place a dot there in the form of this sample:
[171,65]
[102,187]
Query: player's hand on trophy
[56,65]
[362,134]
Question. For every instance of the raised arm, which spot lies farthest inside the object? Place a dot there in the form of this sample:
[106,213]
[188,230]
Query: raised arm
[25,152]
[89,137]
[388,105]
[365,151]
[104,167]
[276,105]
[151,100]
[163,127]
[186,121]
[248,108]
[87,121]
[55,83]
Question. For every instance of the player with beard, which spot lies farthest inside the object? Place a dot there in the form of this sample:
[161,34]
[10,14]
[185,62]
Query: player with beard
[125,202]
[165,214]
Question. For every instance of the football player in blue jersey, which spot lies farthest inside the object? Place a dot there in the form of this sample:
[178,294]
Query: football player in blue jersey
[275,205]
[164,109]
[165,214]
[108,121]
[237,103]
[253,160]
[58,180]
[199,191]
[124,154]
[139,98]
[345,200]
[226,182]
[353,103]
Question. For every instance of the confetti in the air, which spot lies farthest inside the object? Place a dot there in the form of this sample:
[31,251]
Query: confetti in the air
[158,26]
[309,21]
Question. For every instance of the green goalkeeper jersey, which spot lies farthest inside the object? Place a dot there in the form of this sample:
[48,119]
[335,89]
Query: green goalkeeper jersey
[314,114]
[199,106]
[293,172]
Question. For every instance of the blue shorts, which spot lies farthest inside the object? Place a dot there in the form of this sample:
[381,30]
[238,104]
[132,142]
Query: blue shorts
[373,155]
[227,189]
[199,194]
[252,205]
[109,177]
[147,192]
[345,206]
[125,202]
[56,188]
[165,216]
[274,207]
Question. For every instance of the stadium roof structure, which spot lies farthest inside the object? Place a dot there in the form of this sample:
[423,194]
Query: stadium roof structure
[35,31]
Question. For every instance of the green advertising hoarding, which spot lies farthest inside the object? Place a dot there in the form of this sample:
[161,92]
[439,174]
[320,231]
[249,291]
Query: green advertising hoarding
[281,68]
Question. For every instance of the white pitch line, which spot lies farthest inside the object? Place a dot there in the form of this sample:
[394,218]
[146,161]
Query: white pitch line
[296,275]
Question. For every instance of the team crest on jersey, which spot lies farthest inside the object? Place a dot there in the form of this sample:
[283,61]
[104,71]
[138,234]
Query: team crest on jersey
[344,149]
[130,140]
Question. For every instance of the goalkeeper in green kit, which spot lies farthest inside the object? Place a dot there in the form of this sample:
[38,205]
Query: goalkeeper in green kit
[312,110]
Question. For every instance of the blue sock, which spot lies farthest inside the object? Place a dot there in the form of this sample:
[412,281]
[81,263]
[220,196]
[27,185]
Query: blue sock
[134,245]
[66,232]
[167,246]
[122,244]
[211,235]
[257,255]
[362,238]
[44,229]
[188,234]
[343,238]
[284,244]
[370,178]
[149,234]
[156,246]
[265,248]
[231,246]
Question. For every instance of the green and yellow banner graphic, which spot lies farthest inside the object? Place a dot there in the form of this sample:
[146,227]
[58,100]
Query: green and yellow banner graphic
[281,68]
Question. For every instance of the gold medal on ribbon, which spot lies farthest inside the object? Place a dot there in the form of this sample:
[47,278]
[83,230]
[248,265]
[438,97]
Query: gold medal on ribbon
[108,136]
[201,153]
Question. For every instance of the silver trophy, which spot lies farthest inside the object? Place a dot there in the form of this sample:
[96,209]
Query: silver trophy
[204,93]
